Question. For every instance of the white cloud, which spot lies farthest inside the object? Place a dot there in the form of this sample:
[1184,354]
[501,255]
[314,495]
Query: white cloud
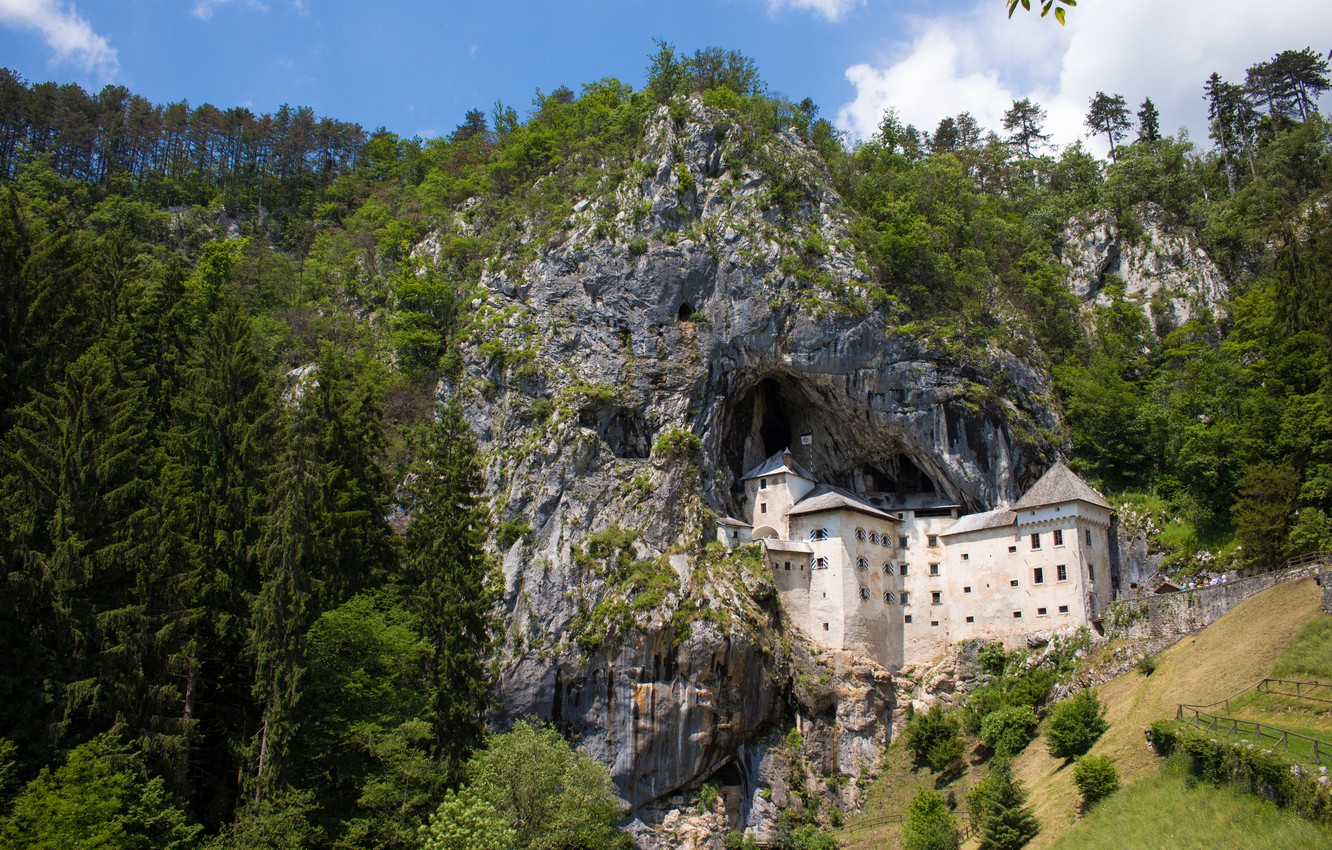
[68,34]
[833,10]
[979,61]
[203,9]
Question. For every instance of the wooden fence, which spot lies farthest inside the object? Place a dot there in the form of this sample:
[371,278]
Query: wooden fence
[1250,730]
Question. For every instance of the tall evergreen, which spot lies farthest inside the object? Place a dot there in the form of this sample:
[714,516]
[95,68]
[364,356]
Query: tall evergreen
[445,578]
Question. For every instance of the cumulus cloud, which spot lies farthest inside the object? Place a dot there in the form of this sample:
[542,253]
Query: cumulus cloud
[833,10]
[979,61]
[203,9]
[69,35]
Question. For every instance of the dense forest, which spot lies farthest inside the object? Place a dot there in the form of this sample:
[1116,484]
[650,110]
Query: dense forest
[245,595]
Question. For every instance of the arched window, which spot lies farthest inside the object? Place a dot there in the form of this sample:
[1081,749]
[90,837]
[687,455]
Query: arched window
[862,563]
[874,537]
[860,534]
[888,569]
[864,593]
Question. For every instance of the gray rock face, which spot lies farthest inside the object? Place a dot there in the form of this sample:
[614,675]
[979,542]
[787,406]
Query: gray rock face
[1163,268]
[686,326]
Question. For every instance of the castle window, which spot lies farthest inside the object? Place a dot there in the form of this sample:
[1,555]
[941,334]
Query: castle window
[1063,609]
[1091,572]
[907,618]
[1017,615]
[934,622]
[763,507]
[788,566]
[906,598]
[1036,540]
[1038,575]
[906,568]
[819,563]
[971,619]
[966,589]
[1061,572]
[763,483]
[887,542]
[966,556]
[936,597]
[874,537]
[934,569]
[862,563]
[1089,537]
[1059,537]
[860,534]
[1013,583]
[864,593]
[1041,612]
[1012,549]
[888,569]
[818,534]
[825,627]
[902,542]
[888,597]
[933,540]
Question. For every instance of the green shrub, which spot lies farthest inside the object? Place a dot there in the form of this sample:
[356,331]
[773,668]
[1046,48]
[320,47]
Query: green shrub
[707,796]
[676,443]
[511,531]
[1008,731]
[932,738]
[1075,724]
[929,825]
[637,246]
[1096,778]
[993,659]
[1147,665]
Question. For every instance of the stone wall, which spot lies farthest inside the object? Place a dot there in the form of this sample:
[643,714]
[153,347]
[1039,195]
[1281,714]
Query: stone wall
[1325,580]
[1177,614]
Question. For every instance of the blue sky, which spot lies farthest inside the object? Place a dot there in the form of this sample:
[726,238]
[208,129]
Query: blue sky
[416,67]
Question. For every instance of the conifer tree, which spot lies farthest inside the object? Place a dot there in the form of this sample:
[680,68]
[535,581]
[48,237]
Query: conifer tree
[1149,122]
[999,808]
[1109,115]
[444,577]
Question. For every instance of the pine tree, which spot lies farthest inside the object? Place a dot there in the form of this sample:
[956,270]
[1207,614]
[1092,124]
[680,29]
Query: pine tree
[998,806]
[1149,122]
[1024,121]
[445,575]
[1109,114]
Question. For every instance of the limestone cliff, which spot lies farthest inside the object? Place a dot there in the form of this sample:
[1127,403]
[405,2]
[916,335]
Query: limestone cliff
[691,320]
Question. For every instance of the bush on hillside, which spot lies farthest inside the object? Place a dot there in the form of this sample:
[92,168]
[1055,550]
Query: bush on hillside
[1147,664]
[1096,778]
[1075,724]
[1007,731]
[929,824]
[999,810]
[932,738]
[993,659]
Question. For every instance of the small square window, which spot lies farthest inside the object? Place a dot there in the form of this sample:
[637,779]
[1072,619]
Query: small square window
[1038,575]
[966,557]
[902,542]
[906,598]
[1041,612]
[1089,537]
[966,589]
[1063,609]
[907,618]
[1012,549]
[825,627]
[763,483]
[1017,615]
[1036,540]
[971,619]
[934,622]
[934,569]
[906,569]
[936,597]
[1061,572]
[1013,583]
[933,540]
[788,566]
[763,507]
[1059,537]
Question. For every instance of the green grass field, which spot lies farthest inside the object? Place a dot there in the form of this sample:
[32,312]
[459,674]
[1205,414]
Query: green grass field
[1167,812]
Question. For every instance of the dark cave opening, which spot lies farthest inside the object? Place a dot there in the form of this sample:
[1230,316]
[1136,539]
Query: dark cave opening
[686,312]
[776,427]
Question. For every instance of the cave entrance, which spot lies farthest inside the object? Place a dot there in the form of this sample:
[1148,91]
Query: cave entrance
[775,430]
[764,418]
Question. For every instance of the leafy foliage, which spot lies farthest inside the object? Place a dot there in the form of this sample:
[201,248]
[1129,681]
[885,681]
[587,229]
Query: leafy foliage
[1008,730]
[929,824]
[1096,778]
[1075,724]
[933,739]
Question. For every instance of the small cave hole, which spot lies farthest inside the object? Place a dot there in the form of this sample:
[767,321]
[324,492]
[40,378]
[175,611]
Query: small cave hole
[686,312]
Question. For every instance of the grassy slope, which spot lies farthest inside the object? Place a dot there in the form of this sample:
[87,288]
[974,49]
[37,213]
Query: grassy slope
[1234,652]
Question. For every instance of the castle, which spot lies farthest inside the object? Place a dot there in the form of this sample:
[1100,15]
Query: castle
[899,584]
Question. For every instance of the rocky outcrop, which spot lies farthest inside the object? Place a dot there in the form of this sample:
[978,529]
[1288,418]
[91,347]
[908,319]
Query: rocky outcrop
[1158,266]
[690,321]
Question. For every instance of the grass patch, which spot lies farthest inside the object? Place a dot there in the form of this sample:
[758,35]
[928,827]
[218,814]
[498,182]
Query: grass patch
[1168,812]
[1311,653]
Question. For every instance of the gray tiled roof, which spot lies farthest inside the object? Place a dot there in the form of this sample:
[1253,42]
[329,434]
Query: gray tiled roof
[775,545]
[777,463]
[732,522]
[1060,484]
[828,498]
[980,522]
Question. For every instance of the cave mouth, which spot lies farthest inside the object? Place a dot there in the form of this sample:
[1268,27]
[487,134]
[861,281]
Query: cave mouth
[686,312]
[831,437]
